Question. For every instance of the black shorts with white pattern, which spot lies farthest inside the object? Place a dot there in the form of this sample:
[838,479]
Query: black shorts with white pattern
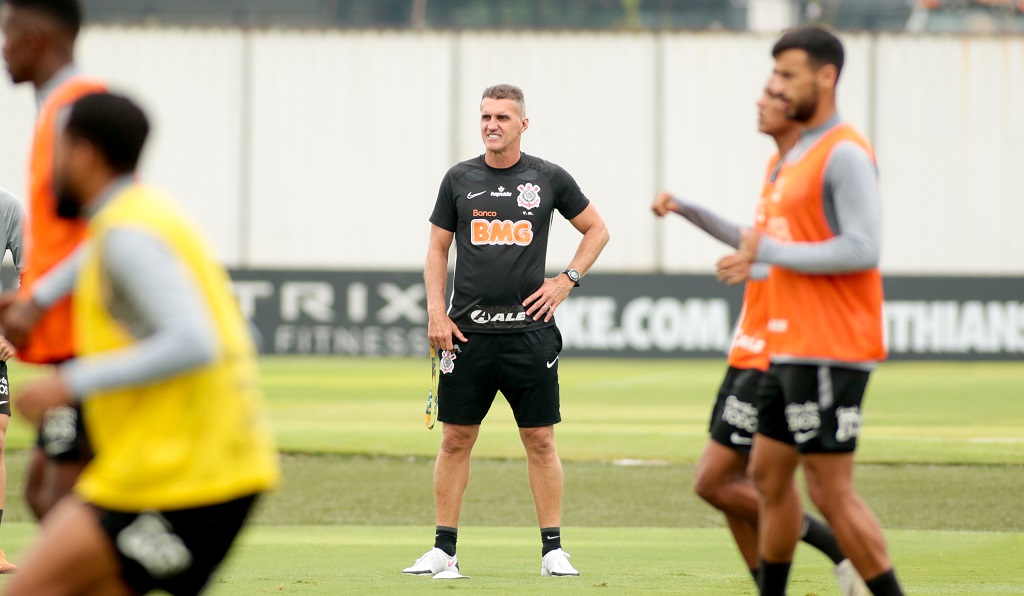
[816,408]
[62,436]
[175,551]
[734,416]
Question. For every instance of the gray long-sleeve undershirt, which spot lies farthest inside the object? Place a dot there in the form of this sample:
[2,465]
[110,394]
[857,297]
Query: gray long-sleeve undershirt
[160,306]
[59,281]
[717,227]
[853,209]
[12,217]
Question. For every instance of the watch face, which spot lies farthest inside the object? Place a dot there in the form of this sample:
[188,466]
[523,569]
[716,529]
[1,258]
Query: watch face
[573,274]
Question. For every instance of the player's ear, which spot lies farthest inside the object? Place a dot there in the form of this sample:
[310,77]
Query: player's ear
[526,124]
[828,76]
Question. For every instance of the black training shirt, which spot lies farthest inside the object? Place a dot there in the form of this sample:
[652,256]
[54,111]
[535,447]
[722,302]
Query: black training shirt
[501,219]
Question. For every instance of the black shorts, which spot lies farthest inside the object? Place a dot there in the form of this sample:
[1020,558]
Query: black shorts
[5,390]
[734,417]
[62,436]
[175,551]
[816,408]
[523,366]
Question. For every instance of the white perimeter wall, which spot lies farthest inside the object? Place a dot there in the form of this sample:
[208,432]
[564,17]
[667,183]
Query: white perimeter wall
[325,149]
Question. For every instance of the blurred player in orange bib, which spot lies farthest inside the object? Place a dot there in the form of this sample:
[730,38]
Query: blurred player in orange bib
[721,475]
[822,238]
[39,43]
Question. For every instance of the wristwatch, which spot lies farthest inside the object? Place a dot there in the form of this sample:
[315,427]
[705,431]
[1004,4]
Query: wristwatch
[574,276]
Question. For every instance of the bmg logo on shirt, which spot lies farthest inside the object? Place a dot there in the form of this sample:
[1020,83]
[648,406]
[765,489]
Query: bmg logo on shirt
[501,232]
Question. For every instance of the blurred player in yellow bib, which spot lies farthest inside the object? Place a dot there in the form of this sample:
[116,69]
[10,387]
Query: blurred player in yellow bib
[165,372]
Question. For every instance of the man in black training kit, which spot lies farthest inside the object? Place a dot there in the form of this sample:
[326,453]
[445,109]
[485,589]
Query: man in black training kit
[498,333]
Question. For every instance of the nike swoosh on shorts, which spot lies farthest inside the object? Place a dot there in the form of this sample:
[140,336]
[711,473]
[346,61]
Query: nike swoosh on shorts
[805,436]
[737,439]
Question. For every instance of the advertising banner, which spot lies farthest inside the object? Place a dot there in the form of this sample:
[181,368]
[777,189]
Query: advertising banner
[373,313]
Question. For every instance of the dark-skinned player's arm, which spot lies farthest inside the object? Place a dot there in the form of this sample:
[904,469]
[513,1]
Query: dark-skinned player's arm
[554,290]
[440,328]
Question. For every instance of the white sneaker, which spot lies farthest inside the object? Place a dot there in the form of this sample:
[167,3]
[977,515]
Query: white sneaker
[432,563]
[556,564]
[850,582]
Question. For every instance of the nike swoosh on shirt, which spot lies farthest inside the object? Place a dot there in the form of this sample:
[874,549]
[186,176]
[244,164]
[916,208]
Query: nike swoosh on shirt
[470,195]
[552,363]
[738,439]
[805,436]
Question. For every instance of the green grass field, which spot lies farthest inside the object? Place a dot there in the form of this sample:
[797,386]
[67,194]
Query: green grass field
[942,465]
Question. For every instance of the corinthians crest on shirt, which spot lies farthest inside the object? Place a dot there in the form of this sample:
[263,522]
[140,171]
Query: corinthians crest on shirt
[529,196]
